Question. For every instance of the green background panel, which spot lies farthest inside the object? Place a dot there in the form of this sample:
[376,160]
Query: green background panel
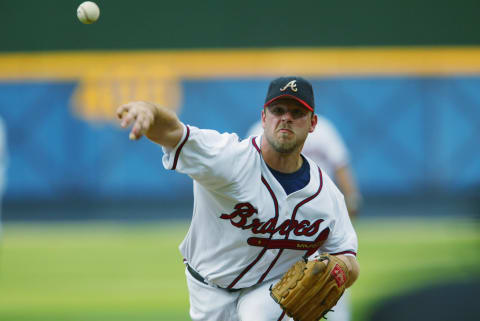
[149,24]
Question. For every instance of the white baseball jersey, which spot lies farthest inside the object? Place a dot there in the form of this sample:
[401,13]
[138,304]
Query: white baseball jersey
[245,229]
[324,145]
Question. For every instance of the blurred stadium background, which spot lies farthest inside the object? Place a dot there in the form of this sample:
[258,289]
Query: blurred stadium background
[92,221]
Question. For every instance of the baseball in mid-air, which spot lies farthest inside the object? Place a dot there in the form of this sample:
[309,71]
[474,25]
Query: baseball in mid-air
[88,12]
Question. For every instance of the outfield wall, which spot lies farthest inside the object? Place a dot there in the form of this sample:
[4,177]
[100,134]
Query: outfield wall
[410,117]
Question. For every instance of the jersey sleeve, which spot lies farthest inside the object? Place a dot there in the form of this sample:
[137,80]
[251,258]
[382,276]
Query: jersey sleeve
[205,155]
[342,238]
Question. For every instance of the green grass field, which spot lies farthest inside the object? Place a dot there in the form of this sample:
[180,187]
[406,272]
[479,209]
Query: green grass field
[100,271]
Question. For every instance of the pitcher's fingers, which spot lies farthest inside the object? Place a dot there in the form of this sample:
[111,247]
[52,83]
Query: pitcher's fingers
[137,129]
[136,132]
[123,110]
[129,118]
[143,120]
[146,124]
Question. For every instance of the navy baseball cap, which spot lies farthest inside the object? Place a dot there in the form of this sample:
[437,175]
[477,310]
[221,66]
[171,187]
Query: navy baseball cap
[296,88]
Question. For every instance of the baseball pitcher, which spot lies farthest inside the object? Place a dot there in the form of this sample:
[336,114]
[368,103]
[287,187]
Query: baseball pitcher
[261,209]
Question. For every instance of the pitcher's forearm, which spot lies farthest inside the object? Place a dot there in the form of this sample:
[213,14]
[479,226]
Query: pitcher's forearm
[166,129]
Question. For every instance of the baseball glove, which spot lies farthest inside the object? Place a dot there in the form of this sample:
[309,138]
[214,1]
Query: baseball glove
[309,289]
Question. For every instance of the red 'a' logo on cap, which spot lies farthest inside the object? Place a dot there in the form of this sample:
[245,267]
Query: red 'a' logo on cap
[292,85]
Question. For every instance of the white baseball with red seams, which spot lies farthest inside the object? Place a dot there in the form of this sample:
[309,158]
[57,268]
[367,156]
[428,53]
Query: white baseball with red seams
[88,12]
[246,231]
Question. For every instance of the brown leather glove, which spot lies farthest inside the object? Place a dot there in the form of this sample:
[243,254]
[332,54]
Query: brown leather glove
[309,289]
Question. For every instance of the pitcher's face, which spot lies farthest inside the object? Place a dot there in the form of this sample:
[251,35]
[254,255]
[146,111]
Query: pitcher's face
[286,125]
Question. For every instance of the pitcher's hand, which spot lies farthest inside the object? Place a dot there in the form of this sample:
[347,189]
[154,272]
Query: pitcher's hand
[139,113]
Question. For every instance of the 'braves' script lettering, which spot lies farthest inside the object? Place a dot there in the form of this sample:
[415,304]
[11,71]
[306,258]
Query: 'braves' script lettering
[243,211]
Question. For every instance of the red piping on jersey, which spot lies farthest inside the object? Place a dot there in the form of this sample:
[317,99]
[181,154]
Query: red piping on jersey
[255,144]
[291,220]
[294,213]
[345,252]
[281,316]
[264,275]
[275,202]
[177,154]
